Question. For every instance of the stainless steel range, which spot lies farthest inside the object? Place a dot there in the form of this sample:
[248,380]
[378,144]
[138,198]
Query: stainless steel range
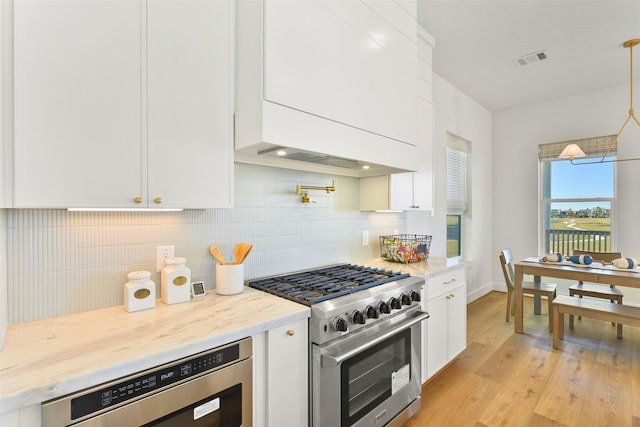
[365,342]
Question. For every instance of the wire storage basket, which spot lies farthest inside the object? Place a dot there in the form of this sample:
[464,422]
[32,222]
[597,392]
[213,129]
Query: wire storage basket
[405,248]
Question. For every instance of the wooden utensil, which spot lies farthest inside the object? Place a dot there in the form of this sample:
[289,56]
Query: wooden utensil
[241,251]
[217,254]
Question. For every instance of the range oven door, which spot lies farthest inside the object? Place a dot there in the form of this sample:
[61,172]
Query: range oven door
[370,377]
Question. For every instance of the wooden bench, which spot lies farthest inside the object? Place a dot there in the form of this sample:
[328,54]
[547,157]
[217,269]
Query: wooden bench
[595,309]
[596,291]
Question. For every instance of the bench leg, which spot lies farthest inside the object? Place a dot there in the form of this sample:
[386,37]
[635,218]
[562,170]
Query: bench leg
[579,317]
[619,301]
[571,321]
[614,323]
[550,311]
[558,326]
[620,330]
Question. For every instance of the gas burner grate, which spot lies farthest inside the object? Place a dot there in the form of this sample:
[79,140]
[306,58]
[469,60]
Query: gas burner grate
[314,286]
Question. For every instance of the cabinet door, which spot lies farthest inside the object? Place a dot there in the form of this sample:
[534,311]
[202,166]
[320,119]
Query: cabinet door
[437,355]
[344,62]
[287,375]
[457,321]
[77,110]
[401,193]
[189,103]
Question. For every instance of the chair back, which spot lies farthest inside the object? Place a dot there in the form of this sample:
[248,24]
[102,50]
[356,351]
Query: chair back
[506,262]
[599,256]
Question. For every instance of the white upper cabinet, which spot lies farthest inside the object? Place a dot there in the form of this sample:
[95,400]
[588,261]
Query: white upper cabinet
[337,78]
[123,104]
[77,103]
[190,99]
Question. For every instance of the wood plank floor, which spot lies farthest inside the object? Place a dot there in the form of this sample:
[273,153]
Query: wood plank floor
[509,379]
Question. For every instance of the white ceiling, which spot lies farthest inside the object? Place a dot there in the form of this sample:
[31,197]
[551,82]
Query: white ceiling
[477,41]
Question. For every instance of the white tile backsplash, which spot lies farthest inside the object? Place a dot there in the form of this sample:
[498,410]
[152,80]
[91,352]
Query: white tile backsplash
[61,262]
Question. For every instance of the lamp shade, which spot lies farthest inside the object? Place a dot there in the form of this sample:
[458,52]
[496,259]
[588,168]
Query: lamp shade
[571,151]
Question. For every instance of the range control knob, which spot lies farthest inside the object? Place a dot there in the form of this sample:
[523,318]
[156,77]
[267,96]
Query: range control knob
[395,303]
[405,299]
[383,307]
[340,324]
[372,312]
[358,317]
[415,296]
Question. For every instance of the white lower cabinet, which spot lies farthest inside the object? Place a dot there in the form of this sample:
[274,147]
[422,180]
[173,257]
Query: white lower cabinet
[445,336]
[28,416]
[280,377]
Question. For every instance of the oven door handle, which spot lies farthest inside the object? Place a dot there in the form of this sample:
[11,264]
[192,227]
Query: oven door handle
[333,360]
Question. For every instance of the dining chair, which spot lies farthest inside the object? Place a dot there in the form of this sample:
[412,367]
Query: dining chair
[528,288]
[610,293]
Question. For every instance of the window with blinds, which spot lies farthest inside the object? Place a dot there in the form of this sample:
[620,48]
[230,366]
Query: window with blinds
[577,201]
[457,149]
[592,147]
[457,186]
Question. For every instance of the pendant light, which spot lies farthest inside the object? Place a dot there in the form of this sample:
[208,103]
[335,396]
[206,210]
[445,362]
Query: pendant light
[573,151]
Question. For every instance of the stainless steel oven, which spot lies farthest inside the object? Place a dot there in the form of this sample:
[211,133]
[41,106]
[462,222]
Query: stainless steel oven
[370,377]
[365,346]
[212,389]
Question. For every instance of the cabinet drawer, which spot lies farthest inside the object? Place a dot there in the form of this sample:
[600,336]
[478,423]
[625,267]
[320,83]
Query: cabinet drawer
[445,282]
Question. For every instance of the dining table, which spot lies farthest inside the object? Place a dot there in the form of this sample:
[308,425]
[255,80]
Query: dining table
[594,273]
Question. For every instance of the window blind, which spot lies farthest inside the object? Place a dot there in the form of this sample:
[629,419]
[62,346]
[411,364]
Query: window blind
[456,174]
[592,147]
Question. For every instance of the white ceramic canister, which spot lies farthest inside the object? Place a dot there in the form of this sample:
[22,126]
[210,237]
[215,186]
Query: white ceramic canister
[139,291]
[175,281]
[229,279]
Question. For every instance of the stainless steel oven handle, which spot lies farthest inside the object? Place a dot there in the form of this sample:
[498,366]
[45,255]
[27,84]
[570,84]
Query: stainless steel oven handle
[331,360]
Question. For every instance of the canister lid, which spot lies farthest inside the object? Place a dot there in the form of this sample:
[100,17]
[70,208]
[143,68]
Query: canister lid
[139,275]
[175,261]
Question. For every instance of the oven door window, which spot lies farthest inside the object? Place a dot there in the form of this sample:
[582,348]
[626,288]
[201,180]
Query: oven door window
[372,376]
[223,409]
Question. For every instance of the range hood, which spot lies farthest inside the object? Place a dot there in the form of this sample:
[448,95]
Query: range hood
[275,135]
[296,158]
[314,93]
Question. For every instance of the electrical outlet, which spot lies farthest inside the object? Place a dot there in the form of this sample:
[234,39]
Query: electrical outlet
[162,253]
[365,238]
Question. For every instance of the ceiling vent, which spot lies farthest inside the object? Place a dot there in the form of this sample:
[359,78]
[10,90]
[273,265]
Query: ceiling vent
[531,58]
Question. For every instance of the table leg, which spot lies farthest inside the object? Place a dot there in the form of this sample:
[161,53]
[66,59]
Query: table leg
[536,298]
[517,300]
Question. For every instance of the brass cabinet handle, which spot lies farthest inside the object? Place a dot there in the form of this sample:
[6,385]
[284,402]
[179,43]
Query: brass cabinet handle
[158,200]
[290,332]
[138,200]
[415,206]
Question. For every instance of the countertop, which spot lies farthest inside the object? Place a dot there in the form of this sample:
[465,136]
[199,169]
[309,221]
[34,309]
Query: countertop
[49,358]
[432,267]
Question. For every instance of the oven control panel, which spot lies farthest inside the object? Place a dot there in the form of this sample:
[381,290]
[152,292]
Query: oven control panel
[331,320]
[373,313]
[118,392]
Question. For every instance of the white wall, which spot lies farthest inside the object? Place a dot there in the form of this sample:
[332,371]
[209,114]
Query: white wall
[517,134]
[456,113]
